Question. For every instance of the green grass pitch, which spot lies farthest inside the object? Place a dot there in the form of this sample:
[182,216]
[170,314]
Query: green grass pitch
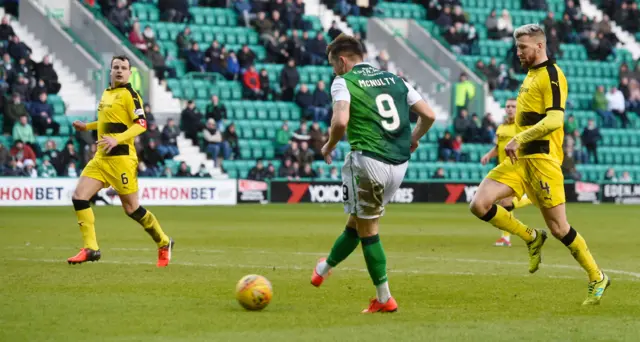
[451,284]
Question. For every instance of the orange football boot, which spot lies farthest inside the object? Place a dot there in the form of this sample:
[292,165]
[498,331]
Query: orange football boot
[376,306]
[84,255]
[316,279]
[164,254]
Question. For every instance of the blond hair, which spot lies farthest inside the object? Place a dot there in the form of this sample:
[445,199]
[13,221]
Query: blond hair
[531,30]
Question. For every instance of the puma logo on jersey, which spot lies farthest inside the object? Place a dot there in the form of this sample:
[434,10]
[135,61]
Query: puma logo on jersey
[556,83]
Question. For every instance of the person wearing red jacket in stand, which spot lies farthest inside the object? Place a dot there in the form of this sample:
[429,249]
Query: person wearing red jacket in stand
[21,152]
[251,82]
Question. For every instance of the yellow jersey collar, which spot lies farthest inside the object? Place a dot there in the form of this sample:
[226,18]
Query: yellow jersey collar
[125,85]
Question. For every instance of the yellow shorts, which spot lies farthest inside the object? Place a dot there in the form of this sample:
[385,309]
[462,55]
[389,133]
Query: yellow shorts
[119,173]
[540,179]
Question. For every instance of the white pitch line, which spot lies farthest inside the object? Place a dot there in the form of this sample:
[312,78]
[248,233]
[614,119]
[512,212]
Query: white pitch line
[519,263]
[302,268]
[392,255]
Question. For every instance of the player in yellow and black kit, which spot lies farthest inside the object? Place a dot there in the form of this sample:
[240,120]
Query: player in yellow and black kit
[505,132]
[536,151]
[120,119]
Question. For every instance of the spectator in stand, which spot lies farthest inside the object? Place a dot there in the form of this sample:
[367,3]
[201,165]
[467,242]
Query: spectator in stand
[489,128]
[149,37]
[457,148]
[191,122]
[136,38]
[195,59]
[610,175]
[632,24]
[505,25]
[183,170]
[175,11]
[29,169]
[159,64]
[258,172]
[12,113]
[304,99]
[438,174]
[216,111]
[626,177]
[119,16]
[462,124]
[68,159]
[47,170]
[265,27]
[536,5]
[307,171]
[302,133]
[202,172]
[243,8]
[590,137]
[320,173]
[317,49]
[465,92]
[167,173]
[289,79]
[579,155]
[23,131]
[6,31]
[445,20]
[213,58]
[458,16]
[306,155]
[344,8]
[183,41]
[333,173]
[144,171]
[12,169]
[4,157]
[41,116]
[246,57]
[21,87]
[569,165]
[553,44]
[44,71]
[152,133]
[152,157]
[445,147]
[549,21]
[633,101]
[292,152]
[21,151]
[149,113]
[265,85]
[334,31]
[38,89]
[283,136]
[51,152]
[570,125]
[492,25]
[573,11]
[295,47]
[565,30]
[270,173]
[600,104]
[287,170]
[18,50]
[617,105]
[91,152]
[168,147]
[318,139]
[230,136]
[251,83]
[278,24]
[321,103]
[24,69]
[233,66]
[215,143]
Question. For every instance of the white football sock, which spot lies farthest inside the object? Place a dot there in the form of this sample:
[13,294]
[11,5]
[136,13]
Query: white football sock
[383,292]
[323,268]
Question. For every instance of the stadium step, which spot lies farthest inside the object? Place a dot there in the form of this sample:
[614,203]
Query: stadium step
[192,155]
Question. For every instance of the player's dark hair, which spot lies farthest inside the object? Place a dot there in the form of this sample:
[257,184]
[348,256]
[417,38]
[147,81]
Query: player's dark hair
[511,99]
[122,58]
[346,46]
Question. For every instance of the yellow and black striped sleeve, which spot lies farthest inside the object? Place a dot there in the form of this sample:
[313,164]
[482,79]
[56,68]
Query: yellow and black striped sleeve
[554,90]
[134,105]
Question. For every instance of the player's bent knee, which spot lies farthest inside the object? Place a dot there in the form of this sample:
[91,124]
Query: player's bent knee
[80,204]
[479,206]
[137,214]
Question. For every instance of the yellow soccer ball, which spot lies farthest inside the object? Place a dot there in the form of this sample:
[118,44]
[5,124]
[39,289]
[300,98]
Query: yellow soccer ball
[254,292]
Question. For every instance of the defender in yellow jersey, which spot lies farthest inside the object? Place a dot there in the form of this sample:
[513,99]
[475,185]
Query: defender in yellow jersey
[535,154]
[120,119]
[505,132]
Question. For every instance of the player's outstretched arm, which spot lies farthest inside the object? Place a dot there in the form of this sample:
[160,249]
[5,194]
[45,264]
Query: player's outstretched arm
[139,127]
[426,118]
[493,152]
[82,126]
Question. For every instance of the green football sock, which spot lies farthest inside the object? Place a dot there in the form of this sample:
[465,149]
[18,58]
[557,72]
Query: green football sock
[375,258]
[345,244]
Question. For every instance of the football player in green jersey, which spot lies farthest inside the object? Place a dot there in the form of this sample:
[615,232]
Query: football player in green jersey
[373,107]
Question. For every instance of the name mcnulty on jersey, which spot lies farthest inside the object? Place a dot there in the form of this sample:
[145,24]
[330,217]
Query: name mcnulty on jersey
[376,82]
